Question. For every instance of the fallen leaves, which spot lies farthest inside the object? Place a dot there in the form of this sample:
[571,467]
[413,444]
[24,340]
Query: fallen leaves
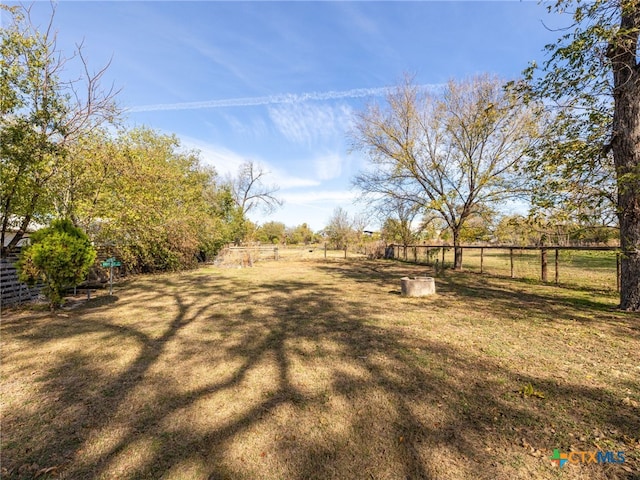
[529,391]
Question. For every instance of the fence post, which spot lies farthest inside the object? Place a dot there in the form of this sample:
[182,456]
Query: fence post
[276,255]
[415,254]
[428,257]
[543,263]
[345,250]
[481,259]
[325,250]
[442,259]
[511,260]
[557,274]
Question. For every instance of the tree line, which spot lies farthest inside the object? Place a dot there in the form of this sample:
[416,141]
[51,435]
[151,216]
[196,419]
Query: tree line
[64,153]
[565,138]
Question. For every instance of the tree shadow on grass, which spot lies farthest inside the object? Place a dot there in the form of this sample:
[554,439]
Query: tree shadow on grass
[543,303]
[281,379]
[93,302]
[497,296]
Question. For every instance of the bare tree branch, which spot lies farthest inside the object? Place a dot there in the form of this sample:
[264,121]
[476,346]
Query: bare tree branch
[250,192]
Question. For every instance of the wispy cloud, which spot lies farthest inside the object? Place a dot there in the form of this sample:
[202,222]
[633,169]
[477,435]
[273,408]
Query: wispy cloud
[284,180]
[329,166]
[226,162]
[253,127]
[217,55]
[284,98]
[306,123]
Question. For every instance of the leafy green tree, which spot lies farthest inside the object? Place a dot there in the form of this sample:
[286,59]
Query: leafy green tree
[397,231]
[271,232]
[291,236]
[550,230]
[479,227]
[531,231]
[300,234]
[592,78]
[398,220]
[227,223]
[513,230]
[85,176]
[41,113]
[154,203]
[433,229]
[58,256]
[451,153]
[137,191]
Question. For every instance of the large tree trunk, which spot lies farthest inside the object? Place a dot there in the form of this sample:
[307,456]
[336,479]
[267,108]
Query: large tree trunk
[457,252]
[457,258]
[626,152]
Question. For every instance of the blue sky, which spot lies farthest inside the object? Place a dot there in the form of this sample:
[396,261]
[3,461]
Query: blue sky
[279,82]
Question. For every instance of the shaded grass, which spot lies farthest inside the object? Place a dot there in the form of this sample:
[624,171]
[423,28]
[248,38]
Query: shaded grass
[312,369]
[593,270]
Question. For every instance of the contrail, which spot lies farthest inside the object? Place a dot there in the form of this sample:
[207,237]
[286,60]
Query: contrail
[273,99]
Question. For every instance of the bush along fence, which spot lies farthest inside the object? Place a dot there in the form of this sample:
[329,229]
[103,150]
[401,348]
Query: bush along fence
[12,290]
[594,267]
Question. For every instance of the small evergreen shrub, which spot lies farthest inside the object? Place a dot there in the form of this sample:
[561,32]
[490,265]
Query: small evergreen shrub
[59,256]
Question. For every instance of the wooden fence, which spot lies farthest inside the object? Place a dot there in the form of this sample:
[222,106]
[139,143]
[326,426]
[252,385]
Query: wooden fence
[12,290]
[246,256]
[545,257]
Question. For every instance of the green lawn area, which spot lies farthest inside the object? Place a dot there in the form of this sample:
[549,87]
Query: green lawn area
[313,369]
[581,269]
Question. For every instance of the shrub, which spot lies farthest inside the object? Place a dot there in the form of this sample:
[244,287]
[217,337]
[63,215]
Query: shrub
[59,256]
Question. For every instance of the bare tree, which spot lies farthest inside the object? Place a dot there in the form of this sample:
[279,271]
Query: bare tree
[450,153]
[249,191]
[340,228]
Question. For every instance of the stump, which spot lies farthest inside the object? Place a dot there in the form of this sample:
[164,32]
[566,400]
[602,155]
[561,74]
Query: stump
[417,286]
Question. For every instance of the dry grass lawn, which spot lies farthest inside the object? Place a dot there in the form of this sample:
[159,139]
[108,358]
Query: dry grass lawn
[306,369]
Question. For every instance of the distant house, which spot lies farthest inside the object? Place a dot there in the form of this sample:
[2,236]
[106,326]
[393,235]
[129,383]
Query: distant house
[10,235]
[13,229]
